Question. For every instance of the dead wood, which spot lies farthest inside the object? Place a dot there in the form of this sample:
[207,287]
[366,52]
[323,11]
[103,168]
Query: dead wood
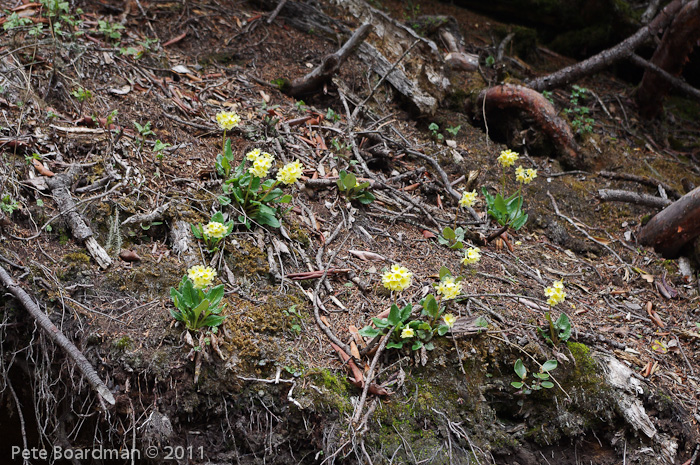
[615,195]
[59,186]
[607,57]
[651,182]
[313,82]
[498,105]
[671,55]
[676,82]
[674,227]
[57,336]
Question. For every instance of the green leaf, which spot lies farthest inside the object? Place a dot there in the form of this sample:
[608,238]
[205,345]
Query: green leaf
[394,345]
[457,245]
[189,295]
[366,198]
[430,306]
[549,365]
[442,330]
[517,384]
[429,346]
[500,204]
[520,369]
[406,312]
[215,295]
[394,315]
[444,271]
[416,345]
[448,233]
[285,199]
[212,320]
[202,307]
[368,331]
[563,325]
[519,222]
[547,384]
[218,217]
[223,200]
[269,220]
[196,230]
[349,181]
[381,322]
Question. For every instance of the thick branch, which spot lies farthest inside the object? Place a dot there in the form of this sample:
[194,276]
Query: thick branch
[607,57]
[673,227]
[330,65]
[511,97]
[671,55]
[57,336]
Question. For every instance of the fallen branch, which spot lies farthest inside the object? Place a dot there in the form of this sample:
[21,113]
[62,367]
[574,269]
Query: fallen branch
[316,274]
[57,336]
[330,65]
[676,82]
[674,227]
[607,57]
[651,182]
[616,195]
[59,186]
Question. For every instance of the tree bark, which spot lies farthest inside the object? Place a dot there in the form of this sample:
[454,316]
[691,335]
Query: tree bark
[538,109]
[671,55]
[673,227]
[614,195]
[607,57]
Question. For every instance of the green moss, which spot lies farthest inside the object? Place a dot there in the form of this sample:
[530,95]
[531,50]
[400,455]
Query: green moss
[77,258]
[123,343]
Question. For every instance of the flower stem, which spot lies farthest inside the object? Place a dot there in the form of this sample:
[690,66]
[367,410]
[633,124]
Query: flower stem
[456,215]
[223,144]
[268,191]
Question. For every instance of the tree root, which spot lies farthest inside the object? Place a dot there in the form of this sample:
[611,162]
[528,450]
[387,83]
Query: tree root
[57,336]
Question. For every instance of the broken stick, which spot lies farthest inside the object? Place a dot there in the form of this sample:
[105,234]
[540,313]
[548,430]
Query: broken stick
[330,65]
[57,336]
[80,230]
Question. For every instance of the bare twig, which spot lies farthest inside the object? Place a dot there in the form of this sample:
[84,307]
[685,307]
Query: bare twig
[57,336]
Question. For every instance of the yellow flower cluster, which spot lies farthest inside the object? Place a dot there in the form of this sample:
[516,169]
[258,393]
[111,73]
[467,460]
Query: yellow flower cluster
[290,173]
[214,229]
[555,293]
[253,154]
[407,332]
[449,319]
[507,158]
[471,255]
[448,288]
[261,165]
[525,176]
[201,276]
[228,119]
[397,278]
[468,199]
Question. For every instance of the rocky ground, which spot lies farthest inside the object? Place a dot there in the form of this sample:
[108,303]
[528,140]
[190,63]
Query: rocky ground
[124,117]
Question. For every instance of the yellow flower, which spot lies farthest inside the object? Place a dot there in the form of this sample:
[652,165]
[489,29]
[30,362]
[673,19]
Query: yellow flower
[290,173]
[397,278]
[525,176]
[449,319]
[471,255]
[201,276]
[448,288]
[507,158]
[555,293]
[214,229]
[253,155]
[228,119]
[468,199]
[261,166]
[407,332]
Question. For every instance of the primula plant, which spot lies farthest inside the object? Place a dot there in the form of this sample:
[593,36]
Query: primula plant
[454,237]
[419,332]
[541,378]
[198,305]
[348,186]
[559,330]
[213,232]
[259,199]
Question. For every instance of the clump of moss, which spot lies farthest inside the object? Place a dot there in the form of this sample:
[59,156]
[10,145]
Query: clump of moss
[123,343]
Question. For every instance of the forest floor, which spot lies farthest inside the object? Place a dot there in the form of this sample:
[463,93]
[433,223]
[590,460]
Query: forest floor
[270,388]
